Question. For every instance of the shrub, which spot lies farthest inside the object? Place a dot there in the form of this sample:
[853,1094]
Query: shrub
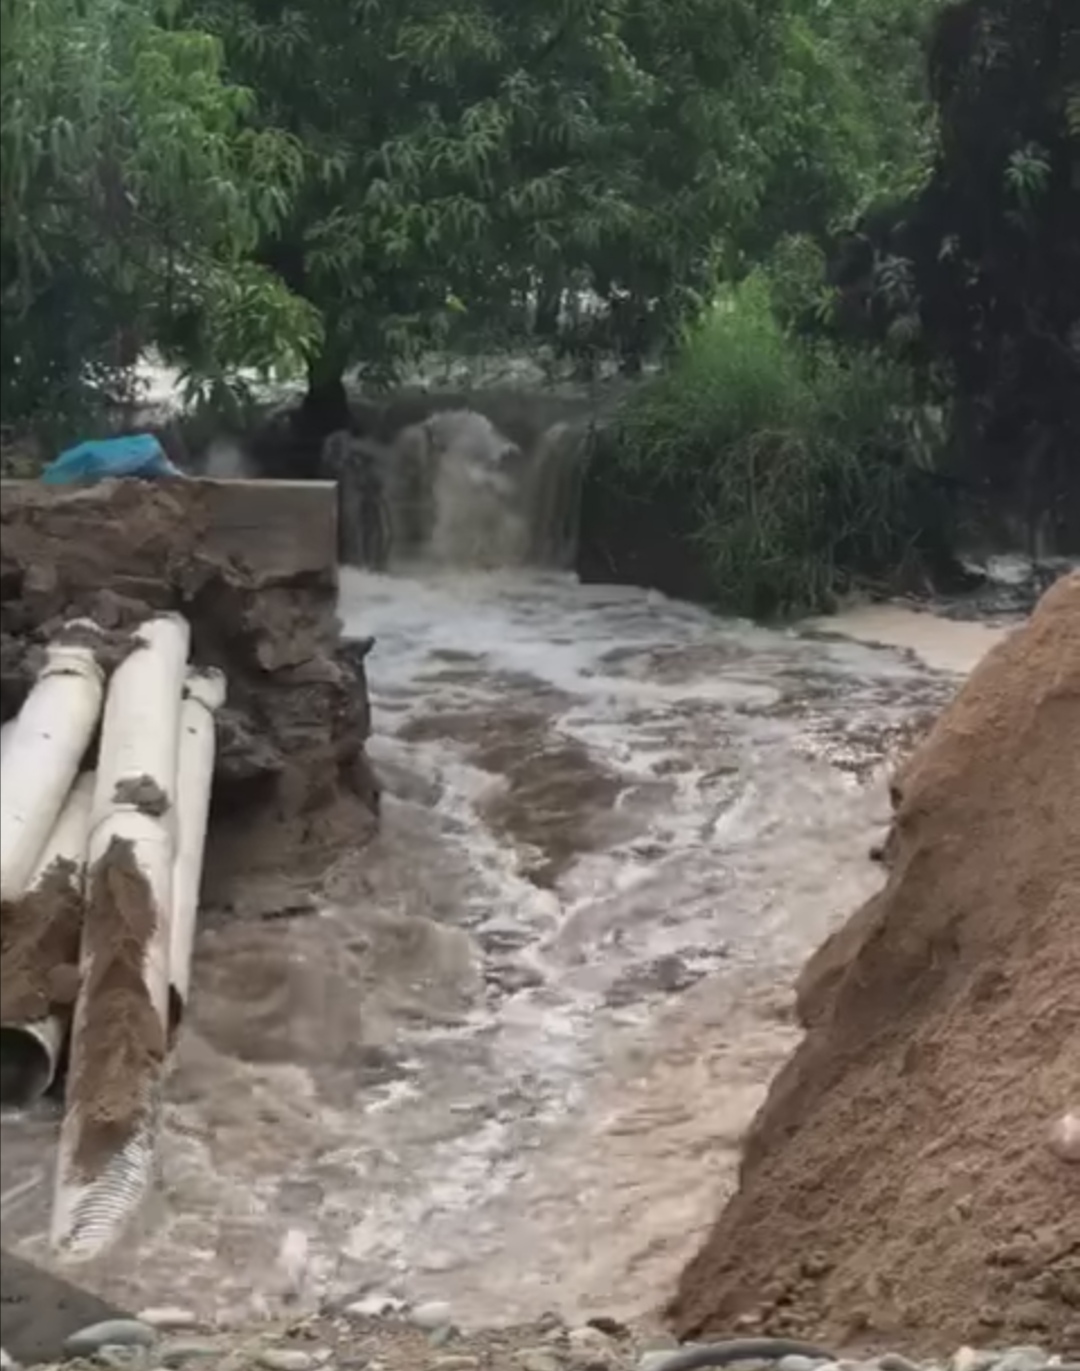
[794,459]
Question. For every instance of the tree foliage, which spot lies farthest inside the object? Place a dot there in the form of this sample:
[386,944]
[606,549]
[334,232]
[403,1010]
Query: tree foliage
[978,275]
[133,190]
[418,172]
[849,120]
[459,157]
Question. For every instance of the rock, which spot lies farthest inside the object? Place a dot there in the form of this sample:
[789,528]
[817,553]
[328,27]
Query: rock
[795,1363]
[653,1361]
[1021,1359]
[442,1335]
[537,1359]
[122,1357]
[430,1316]
[7,1363]
[973,1359]
[550,1322]
[612,1327]
[659,1342]
[893,1361]
[375,1306]
[179,1351]
[168,1318]
[456,1361]
[288,1359]
[110,1333]
[591,1348]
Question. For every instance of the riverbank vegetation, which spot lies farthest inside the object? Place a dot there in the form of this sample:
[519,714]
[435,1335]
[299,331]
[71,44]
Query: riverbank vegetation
[792,464]
[844,233]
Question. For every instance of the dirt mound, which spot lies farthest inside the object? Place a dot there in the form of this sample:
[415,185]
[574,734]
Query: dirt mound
[897,1186]
[292,784]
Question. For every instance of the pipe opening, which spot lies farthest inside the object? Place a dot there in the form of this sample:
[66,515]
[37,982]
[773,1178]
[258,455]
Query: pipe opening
[176,1014]
[26,1067]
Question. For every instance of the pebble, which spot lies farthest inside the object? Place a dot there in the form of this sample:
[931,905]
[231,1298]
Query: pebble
[180,1351]
[122,1356]
[456,1362]
[971,1359]
[590,1347]
[434,1314]
[1064,1136]
[660,1342]
[110,1333]
[1021,1359]
[7,1363]
[795,1363]
[169,1318]
[445,1333]
[537,1359]
[652,1361]
[288,1359]
[893,1361]
[612,1327]
[374,1307]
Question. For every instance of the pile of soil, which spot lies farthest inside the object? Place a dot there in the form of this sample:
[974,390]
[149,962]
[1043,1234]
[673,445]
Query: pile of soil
[898,1185]
[292,785]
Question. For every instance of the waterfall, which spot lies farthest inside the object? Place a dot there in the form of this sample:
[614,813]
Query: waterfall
[455,491]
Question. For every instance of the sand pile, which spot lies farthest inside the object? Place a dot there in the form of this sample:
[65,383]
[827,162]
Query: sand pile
[898,1186]
[292,785]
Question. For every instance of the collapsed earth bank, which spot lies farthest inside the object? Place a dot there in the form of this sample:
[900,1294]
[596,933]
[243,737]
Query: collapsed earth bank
[901,1184]
[292,785]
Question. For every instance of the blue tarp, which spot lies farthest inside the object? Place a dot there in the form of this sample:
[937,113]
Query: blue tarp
[98,459]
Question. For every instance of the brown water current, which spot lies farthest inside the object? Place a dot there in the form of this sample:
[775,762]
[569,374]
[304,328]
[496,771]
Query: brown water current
[509,1062]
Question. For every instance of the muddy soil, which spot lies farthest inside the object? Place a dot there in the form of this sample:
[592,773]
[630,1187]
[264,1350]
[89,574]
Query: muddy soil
[899,1182]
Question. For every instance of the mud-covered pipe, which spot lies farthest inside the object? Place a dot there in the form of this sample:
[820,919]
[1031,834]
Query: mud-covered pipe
[204,694]
[42,758]
[126,931]
[29,1051]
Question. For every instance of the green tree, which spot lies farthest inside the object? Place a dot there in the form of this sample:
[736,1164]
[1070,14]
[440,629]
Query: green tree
[979,272]
[133,189]
[850,120]
[462,154]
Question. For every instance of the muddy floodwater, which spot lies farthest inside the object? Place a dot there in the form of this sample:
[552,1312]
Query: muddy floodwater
[508,1064]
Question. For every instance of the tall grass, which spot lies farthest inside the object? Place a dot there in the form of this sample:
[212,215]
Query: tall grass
[792,458]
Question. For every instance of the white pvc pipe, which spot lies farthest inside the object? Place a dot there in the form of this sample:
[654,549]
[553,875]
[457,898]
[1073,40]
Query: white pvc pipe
[204,694]
[31,1050]
[139,729]
[134,801]
[42,757]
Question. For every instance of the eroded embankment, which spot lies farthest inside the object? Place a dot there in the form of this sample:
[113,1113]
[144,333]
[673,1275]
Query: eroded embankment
[899,1183]
[292,786]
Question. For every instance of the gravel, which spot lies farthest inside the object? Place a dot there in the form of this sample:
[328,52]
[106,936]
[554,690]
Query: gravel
[379,1334]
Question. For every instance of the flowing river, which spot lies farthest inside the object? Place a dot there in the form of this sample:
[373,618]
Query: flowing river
[509,1064]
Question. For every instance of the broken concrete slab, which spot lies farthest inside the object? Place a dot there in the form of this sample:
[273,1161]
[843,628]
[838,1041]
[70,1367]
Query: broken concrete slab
[39,1311]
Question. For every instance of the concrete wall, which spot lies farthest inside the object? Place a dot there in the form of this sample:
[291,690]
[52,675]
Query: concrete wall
[277,528]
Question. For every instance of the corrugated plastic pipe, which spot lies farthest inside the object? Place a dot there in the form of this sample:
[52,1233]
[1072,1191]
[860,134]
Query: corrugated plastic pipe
[42,758]
[134,802]
[204,694]
[30,1051]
